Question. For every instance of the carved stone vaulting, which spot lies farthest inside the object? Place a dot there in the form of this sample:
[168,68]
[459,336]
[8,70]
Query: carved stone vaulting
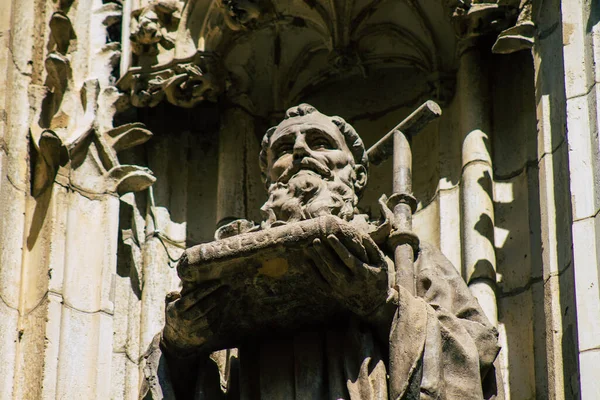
[266,55]
[299,199]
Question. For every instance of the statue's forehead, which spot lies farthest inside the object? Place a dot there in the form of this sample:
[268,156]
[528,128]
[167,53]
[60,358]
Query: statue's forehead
[320,122]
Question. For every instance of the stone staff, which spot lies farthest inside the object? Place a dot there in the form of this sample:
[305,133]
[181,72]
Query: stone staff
[397,142]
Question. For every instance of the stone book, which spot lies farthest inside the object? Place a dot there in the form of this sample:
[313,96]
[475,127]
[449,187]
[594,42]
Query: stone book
[272,285]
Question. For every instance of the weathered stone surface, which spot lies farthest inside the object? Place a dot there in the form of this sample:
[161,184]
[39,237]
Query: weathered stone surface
[516,314]
[259,285]
[8,338]
[578,49]
[584,154]
[513,244]
[89,239]
[589,384]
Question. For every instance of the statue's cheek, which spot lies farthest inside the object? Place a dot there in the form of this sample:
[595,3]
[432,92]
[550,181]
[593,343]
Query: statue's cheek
[339,159]
[280,165]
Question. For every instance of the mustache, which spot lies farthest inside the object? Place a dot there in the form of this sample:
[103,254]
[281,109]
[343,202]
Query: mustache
[307,163]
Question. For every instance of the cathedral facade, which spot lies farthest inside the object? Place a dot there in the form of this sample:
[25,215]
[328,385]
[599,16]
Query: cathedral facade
[133,130]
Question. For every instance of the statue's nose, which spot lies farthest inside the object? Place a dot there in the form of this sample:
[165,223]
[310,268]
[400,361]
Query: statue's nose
[301,149]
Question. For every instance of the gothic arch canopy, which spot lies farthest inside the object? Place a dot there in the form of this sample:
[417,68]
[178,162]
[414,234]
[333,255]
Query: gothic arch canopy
[266,55]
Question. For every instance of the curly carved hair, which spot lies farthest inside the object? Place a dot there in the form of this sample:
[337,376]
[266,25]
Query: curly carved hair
[353,141]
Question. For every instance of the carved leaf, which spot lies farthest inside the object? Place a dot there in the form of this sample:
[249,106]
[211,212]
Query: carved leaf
[51,153]
[519,37]
[59,72]
[167,6]
[128,135]
[62,31]
[112,13]
[131,178]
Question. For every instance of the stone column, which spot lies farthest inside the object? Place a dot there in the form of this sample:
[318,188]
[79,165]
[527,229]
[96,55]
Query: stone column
[125,41]
[477,208]
[16,28]
[238,164]
[166,230]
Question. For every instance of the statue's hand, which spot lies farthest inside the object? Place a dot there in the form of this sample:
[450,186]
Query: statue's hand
[355,272]
[192,318]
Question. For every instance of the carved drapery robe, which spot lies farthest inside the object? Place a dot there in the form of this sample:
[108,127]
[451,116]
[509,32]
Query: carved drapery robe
[439,346]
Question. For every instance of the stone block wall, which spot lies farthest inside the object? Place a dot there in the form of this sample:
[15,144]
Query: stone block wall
[581,50]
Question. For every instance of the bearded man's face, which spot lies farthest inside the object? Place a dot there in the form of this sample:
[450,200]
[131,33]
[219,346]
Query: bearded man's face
[311,171]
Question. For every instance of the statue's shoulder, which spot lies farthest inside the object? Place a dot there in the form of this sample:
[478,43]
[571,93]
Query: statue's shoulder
[431,259]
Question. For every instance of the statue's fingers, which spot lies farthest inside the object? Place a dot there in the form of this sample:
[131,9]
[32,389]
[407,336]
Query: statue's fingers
[172,296]
[171,312]
[202,308]
[329,265]
[194,332]
[205,318]
[374,255]
[326,279]
[355,246]
[352,262]
[190,298]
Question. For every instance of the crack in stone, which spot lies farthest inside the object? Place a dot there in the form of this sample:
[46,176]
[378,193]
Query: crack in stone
[88,195]
[532,281]
[39,303]
[521,289]
[3,145]
[557,273]
[588,217]
[72,307]
[13,184]
[128,356]
[5,302]
[587,92]
[12,59]
[554,150]
[45,297]
[528,164]
[595,348]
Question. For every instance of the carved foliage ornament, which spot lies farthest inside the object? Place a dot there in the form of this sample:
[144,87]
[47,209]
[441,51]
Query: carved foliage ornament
[153,25]
[227,27]
[512,19]
[184,83]
[240,14]
[52,152]
[55,147]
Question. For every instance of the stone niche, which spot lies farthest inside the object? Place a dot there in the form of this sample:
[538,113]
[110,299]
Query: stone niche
[209,78]
[148,115]
[370,62]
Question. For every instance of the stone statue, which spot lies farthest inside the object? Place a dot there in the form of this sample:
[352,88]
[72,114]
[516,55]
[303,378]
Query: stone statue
[310,298]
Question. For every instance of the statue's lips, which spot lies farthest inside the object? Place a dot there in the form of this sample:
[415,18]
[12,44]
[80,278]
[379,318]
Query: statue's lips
[305,164]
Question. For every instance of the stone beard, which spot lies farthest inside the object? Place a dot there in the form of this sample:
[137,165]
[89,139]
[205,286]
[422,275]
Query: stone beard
[311,191]
[313,165]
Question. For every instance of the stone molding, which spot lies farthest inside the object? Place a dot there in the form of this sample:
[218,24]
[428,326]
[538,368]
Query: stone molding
[510,23]
[184,82]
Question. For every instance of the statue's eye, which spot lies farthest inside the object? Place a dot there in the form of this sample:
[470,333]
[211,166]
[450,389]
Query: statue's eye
[283,148]
[320,144]
[318,140]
